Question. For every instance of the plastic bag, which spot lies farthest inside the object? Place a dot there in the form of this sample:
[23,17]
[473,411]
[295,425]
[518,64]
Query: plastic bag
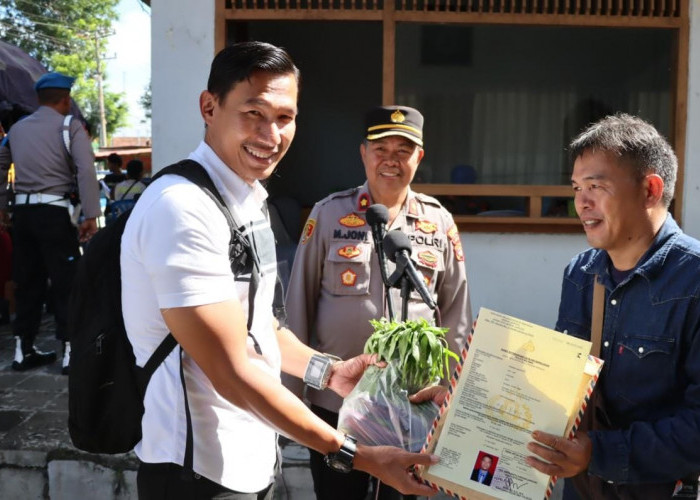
[378,412]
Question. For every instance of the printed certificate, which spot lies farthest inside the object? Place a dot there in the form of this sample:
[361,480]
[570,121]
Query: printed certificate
[516,377]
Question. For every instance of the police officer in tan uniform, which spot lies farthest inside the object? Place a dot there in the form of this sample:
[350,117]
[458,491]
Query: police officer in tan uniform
[336,285]
[50,151]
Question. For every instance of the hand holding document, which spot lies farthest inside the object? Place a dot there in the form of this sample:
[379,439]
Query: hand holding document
[516,378]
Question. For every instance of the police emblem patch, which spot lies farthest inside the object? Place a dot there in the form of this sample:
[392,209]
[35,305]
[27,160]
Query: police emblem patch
[349,251]
[426,226]
[352,220]
[427,258]
[308,230]
[348,277]
[398,117]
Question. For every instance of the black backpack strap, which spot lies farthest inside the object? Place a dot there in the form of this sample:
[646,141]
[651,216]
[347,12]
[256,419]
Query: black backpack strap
[241,253]
[158,356]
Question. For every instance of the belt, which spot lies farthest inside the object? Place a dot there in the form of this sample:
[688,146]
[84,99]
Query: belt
[41,199]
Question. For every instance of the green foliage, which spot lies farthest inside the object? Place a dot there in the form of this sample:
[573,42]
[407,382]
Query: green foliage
[145,100]
[67,36]
[418,348]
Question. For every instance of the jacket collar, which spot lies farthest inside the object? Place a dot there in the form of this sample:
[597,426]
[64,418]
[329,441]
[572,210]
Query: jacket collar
[651,262]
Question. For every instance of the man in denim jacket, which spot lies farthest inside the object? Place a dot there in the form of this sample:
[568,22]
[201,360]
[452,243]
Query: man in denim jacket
[623,178]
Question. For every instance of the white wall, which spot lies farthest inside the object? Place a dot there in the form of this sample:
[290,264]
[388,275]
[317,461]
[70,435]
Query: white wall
[691,192]
[519,274]
[182,45]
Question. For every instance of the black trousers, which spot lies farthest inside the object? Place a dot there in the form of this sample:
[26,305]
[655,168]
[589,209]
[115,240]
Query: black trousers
[332,485]
[45,245]
[167,482]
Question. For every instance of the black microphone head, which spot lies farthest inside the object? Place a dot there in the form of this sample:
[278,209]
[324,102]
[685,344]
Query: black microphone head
[377,214]
[395,241]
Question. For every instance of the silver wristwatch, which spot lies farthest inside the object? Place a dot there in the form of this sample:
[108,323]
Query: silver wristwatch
[318,371]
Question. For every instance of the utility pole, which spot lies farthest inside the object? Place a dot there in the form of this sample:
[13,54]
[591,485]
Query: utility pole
[100,94]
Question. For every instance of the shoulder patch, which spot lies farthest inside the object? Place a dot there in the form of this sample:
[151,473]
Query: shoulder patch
[453,235]
[308,230]
[352,220]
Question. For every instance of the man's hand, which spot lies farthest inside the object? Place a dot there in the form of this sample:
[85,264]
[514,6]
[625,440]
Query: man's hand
[346,374]
[87,229]
[567,457]
[435,393]
[394,467]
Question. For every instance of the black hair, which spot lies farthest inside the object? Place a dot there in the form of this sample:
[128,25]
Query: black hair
[239,61]
[51,95]
[114,158]
[134,169]
[636,143]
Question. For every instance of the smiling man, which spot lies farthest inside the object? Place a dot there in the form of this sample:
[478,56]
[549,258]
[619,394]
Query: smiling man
[336,285]
[177,277]
[648,437]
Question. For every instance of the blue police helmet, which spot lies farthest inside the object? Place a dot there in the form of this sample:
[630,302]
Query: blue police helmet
[54,80]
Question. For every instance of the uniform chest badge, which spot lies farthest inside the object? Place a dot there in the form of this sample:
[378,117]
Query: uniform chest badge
[352,220]
[363,202]
[426,226]
[348,277]
[308,230]
[428,259]
[349,251]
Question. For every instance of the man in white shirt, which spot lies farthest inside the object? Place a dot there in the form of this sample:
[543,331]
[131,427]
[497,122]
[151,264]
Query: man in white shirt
[176,277]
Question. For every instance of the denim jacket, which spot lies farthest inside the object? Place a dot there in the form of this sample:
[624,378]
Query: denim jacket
[651,348]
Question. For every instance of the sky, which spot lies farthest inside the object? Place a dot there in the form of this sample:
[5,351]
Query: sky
[128,63]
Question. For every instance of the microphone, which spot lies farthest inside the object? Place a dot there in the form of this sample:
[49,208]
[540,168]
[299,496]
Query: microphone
[377,218]
[398,248]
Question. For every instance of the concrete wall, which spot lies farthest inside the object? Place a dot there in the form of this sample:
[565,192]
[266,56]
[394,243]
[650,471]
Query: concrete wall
[517,274]
[182,47]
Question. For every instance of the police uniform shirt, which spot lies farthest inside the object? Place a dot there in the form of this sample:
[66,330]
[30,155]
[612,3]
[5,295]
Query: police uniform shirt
[42,164]
[336,286]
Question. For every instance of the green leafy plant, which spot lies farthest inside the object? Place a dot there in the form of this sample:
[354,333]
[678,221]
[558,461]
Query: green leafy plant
[418,349]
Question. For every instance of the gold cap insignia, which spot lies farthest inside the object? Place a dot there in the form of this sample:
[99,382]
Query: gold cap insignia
[397,117]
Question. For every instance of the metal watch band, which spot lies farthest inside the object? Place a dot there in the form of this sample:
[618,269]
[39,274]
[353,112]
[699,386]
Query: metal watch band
[318,371]
[342,460]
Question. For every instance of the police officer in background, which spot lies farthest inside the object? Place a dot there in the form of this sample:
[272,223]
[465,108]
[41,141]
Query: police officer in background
[50,152]
[336,285]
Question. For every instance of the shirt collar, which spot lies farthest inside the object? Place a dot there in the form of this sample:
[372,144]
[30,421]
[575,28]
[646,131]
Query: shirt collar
[410,208]
[234,190]
[653,259]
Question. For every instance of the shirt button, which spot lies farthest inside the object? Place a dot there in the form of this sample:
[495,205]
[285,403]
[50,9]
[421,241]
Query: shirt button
[613,301]
[641,350]
[606,343]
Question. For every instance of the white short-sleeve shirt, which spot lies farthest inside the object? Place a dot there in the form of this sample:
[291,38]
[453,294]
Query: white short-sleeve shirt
[174,253]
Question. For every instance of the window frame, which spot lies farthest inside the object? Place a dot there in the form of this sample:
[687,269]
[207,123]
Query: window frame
[656,14]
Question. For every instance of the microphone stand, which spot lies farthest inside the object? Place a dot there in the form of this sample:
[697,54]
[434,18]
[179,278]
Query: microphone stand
[399,279]
[379,246]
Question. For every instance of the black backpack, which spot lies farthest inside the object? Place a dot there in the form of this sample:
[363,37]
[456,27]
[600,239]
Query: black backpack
[105,386]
